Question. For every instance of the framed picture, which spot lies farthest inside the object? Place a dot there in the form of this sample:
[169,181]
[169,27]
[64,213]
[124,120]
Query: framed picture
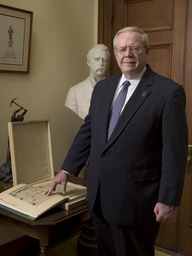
[15,39]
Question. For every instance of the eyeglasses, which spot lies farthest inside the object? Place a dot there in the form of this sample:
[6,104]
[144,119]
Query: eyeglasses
[132,49]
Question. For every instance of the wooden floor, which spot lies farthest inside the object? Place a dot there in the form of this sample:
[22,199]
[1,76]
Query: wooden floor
[69,248]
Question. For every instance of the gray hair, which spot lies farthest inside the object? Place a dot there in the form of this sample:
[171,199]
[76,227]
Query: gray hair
[145,39]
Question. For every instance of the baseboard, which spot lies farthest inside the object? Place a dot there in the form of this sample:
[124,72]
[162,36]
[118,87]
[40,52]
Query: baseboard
[22,246]
[167,251]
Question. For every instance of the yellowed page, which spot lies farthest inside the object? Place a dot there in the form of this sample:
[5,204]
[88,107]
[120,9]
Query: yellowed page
[29,200]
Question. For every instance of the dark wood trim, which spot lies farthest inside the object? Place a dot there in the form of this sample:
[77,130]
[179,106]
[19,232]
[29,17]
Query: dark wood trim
[135,1]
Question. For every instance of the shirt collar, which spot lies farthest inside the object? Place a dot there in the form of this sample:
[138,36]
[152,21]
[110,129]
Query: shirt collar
[132,81]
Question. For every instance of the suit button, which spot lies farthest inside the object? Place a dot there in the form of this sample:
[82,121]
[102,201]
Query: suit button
[103,155]
[97,179]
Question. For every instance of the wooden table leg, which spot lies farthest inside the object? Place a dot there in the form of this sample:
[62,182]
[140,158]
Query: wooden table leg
[44,240]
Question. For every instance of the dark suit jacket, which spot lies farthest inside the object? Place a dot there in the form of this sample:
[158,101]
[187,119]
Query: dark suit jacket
[144,160]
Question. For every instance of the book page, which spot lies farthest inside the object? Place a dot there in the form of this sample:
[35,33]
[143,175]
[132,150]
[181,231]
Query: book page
[30,199]
[33,194]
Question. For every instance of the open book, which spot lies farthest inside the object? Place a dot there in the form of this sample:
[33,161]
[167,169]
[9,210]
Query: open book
[29,201]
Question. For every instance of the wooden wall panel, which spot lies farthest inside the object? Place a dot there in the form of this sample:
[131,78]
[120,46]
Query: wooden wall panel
[151,15]
[160,59]
[156,18]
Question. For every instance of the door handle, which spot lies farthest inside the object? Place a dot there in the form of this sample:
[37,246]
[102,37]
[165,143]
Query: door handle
[189,156]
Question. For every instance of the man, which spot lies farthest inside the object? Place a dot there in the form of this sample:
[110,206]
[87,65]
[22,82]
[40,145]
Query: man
[79,96]
[136,176]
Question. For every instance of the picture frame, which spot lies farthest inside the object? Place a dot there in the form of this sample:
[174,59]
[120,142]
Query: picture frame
[15,34]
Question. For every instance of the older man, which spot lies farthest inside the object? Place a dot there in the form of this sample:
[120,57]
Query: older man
[135,136]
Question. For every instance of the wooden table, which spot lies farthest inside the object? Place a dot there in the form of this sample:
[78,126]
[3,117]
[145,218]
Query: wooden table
[50,228]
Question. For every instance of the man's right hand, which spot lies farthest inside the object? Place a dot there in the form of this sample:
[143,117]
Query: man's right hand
[60,178]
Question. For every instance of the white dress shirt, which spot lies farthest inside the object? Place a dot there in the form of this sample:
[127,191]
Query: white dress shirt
[131,89]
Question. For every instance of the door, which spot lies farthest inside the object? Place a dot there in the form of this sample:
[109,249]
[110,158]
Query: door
[169,28]
[185,213]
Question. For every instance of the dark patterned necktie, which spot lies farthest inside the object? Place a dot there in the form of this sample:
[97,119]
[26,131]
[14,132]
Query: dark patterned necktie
[117,106]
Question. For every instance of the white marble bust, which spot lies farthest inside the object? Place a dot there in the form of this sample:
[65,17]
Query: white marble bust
[79,95]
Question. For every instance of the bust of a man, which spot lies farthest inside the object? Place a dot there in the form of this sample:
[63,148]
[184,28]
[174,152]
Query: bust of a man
[79,95]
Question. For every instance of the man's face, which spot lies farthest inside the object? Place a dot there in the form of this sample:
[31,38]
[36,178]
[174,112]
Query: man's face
[98,62]
[130,53]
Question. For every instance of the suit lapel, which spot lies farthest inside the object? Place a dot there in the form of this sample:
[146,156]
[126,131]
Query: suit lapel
[106,107]
[135,102]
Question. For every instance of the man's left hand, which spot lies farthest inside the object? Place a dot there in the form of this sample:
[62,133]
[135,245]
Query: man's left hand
[164,212]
